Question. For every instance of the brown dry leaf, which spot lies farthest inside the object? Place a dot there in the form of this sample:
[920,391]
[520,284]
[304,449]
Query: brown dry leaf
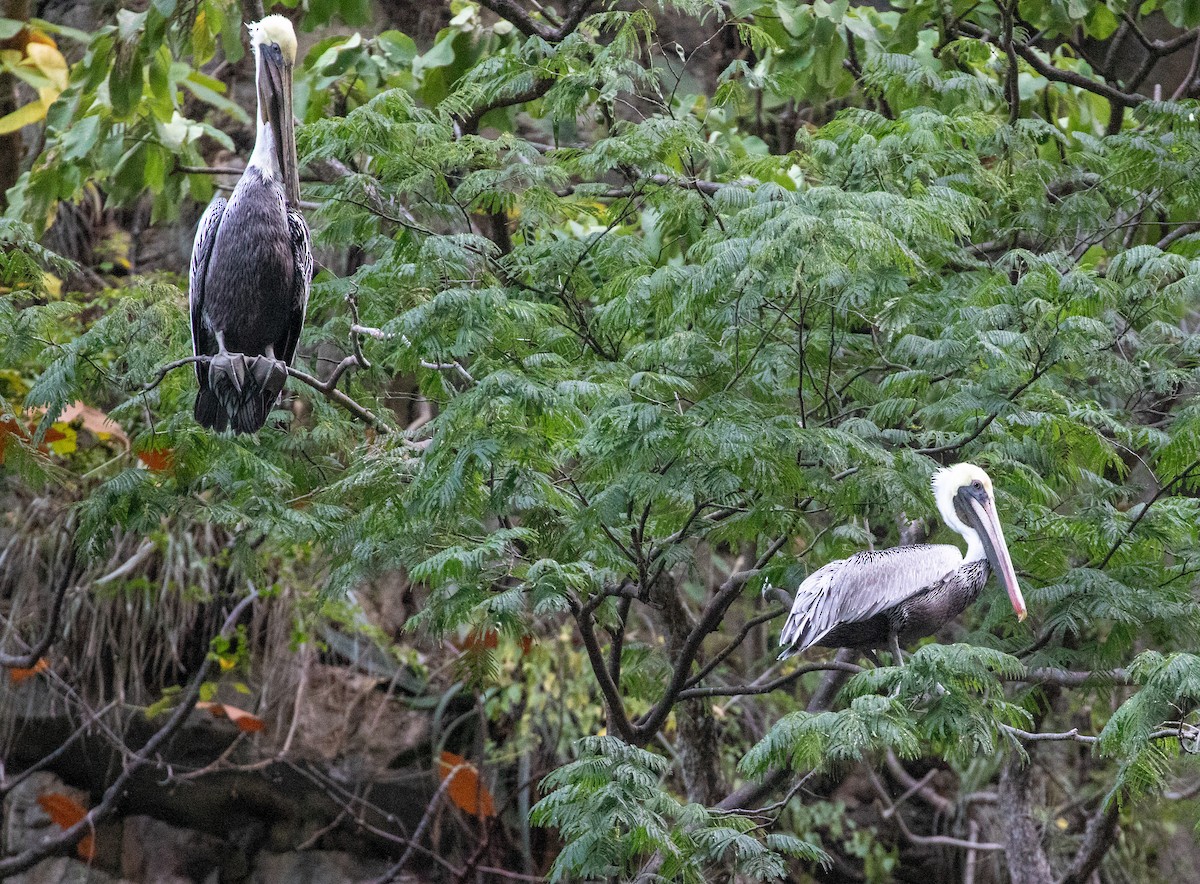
[466,790]
[245,721]
[19,674]
[486,638]
[64,811]
[95,422]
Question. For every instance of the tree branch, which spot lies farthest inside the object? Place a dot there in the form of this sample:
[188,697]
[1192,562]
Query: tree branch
[1027,861]
[1098,837]
[1145,509]
[521,19]
[187,702]
[618,719]
[890,810]
[1050,72]
[768,687]
[709,621]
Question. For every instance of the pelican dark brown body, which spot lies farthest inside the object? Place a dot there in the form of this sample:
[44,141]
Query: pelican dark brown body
[252,260]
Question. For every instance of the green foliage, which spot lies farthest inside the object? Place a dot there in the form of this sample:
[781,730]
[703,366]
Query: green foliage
[615,816]
[120,125]
[651,335]
[807,741]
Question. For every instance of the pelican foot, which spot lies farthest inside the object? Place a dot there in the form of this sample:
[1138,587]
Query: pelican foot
[227,371]
[270,375]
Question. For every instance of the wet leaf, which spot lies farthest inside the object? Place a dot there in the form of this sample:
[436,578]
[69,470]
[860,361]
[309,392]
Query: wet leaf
[466,789]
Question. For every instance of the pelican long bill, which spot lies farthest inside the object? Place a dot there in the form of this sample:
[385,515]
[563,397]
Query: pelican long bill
[981,510]
[275,102]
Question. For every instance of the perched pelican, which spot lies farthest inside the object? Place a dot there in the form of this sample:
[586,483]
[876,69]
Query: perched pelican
[252,258]
[880,599]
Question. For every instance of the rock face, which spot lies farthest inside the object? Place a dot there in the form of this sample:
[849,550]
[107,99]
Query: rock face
[317,867]
[152,850]
[26,824]
[64,870]
[147,850]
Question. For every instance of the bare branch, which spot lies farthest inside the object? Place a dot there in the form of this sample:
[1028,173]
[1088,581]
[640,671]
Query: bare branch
[1073,735]
[774,685]
[713,614]
[890,810]
[71,836]
[915,786]
[1098,837]
[170,367]
[618,719]
[390,874]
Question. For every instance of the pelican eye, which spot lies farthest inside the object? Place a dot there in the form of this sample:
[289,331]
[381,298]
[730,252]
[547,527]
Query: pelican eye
[976,485]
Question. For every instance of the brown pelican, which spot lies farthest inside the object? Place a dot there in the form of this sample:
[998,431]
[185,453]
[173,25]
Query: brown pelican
[879,599]
[252,259]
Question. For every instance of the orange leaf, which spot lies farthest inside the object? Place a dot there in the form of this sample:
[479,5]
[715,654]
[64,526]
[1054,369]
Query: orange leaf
[244,720]
[466,790]
[18,675]
[157,459]
[486,638]
[64,811]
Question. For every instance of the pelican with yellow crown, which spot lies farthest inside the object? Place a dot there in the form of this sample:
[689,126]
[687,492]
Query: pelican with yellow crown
[252,259]
[880,599]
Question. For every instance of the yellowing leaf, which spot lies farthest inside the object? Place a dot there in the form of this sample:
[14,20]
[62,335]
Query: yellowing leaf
[62,438]
[50,62]
[22,117]
[466,790]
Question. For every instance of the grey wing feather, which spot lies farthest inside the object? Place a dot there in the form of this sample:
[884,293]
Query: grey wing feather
[302,281]
[206,234]
[856,589]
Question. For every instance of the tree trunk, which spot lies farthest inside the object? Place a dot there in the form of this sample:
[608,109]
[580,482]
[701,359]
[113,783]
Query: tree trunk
[1027,862]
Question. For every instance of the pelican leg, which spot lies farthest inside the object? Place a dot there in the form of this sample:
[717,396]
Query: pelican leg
[897,654]
[227,377]
[874,657]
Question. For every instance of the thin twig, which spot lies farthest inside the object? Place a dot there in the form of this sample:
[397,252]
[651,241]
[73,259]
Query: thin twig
[391,873]
[71,836]
[30,658]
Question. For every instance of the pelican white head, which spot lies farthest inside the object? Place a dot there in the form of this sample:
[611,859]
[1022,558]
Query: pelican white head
[965,499]
[277,31]
[274,43]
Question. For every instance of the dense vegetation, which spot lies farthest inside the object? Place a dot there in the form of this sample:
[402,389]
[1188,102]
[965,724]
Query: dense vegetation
[625,314]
